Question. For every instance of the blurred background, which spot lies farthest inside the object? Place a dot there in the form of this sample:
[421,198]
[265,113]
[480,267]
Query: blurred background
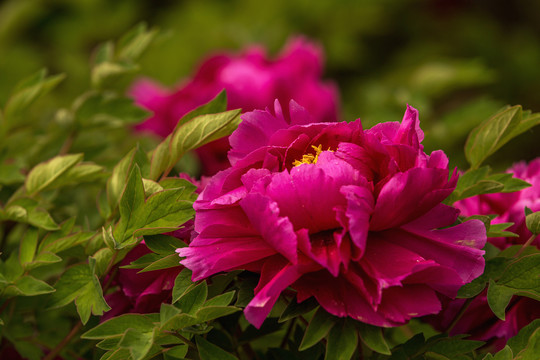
[456,61]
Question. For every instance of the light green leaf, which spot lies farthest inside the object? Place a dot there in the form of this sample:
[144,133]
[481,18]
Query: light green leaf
[28,286]
[135,42]
[520,341]
[497,230]
[116,326]
[504,354]
[318,328]
[28,91]
[373,337]
[80,284]
[117,181]
[132,200]
[533,222]
[532,349]
[81,173]
[176,352]
[342,341]
[209,351]
[138,343]
[108,74]
[498,298]
[26,210]
[490,135]
[166,262]
[10,173]
[151,187]
[28,245]
[43,175]
[42,259]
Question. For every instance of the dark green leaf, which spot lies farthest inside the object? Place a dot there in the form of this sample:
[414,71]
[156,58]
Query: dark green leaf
[532,349]
[522,273]
[116,326]
[295,309]
[193,299]
[504,354]
[138,343]
[209,351]
[166,262]
[342,341]
[498,298]
[220,300]
[176,352]
[373,337]
[318,328]
[181,284]
[520,341]
[163,244]
[453,347]
[132,200]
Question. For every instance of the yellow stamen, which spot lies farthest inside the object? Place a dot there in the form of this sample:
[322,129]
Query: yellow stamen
[310,158]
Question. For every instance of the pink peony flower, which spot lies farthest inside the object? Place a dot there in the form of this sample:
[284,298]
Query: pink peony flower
[252,82]
[510,207]
[352,217]
[143,292]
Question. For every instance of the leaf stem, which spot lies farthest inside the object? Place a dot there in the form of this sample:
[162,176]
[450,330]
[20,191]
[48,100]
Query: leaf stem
[64,342]
[460,314]
[183,338]
[527,243]
[287,333]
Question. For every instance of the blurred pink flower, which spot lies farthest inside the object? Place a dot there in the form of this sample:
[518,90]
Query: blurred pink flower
[510,207]
[352,217]
[252,81]
[478,320]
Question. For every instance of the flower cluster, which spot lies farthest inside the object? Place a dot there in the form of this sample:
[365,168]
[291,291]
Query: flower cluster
[252,81]
[352,217]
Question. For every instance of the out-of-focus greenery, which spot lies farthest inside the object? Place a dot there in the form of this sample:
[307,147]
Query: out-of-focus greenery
[457,61]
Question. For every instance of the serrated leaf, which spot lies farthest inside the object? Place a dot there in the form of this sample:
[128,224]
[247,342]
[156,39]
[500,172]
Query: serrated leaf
[43,175]
[116,326]
[318,328]
[533,222]
[80,284]
[181,284]
[191,301]
[498,297]
[28,286]
[373,337]
[490,135]
[342,341]
[209,351]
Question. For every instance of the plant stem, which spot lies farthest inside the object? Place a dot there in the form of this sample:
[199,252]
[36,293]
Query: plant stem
[64,342]
[287,333]
[459,315]
[527,243]
[184,339]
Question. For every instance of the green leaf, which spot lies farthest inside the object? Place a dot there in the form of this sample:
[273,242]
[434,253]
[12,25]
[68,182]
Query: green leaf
[163,244]
[493,270]
[452,347]
[520,341]
[151,187]
[497,230]
[26,210]
[116,326]
[522,273]
[193,130]
[28,245]
[135,42]
[80,284]
[181,284]
[209,351]
[209,313]
[373,337]
[498,298]
[220,300]
[295,309]
[81,173]
[132,200]
[28,91]
[491,134]
[532,349]
[504,354]
[117,181]
[108,74]
[42,259]
[193,299]
[166,262]
[342,341]
[318,328]
[176,352]
[28,286]
[9,173]
[533,222]
[138,343]
[43,175]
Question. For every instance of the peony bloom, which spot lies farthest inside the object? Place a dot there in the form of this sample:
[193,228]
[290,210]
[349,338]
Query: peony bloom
[510,207]
[252,82]
[143,292]
[478,320]
[352,217]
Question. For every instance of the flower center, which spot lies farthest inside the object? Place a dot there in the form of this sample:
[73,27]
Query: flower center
[310,158]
